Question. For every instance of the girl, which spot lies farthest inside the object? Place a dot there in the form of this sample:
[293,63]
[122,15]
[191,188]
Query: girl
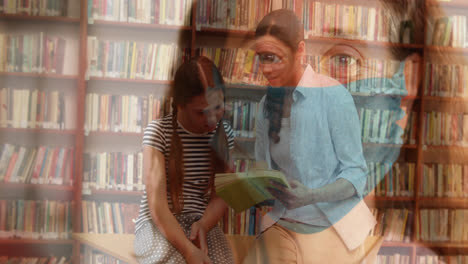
[181,153]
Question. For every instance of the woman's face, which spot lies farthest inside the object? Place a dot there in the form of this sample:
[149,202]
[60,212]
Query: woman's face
[277,61]
[202,113]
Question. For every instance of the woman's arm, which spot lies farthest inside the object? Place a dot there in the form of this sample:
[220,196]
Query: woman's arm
[155,182]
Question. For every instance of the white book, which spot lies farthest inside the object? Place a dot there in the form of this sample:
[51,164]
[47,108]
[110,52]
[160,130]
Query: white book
[129,172]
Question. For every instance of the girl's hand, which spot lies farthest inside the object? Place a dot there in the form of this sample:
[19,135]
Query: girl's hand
[196,256]
[298,196]
[198,236]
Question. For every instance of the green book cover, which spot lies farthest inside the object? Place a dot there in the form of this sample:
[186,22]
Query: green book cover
[245,189]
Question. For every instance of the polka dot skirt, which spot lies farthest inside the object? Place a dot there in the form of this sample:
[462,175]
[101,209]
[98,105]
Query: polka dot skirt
[152,247]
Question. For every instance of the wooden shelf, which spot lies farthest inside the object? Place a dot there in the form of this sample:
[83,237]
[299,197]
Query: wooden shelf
[133,25]
[362,42]
[397,244]
[443,202]
[389,202]
[438,147]
[40,75]
[111,79]
[445,99]
[35,191]
[248,34]
[115,192]
[390,199]
[447,49]
[109,133]
[40,18]
[450,4]
[37,130]
[444,245]
[403,146]
[246,86]
[18,241]
[114,195]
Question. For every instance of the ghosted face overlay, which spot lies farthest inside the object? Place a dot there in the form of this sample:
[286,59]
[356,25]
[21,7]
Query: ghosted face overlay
[276,60]
[203,112]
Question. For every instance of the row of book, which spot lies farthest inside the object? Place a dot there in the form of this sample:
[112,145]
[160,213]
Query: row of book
[366,77]
[241,114]
[391,180]
[35,53]
[108,218]
[442,128]
[237,65]
[438,225]
[231,14]
[444,180]
[446,80]
[393,259]
[378,126]
[35,7]
[34,260]
[393,224]
[114,171]
[35,219]
[134,60]
[42,165]
[448,31]
[164,12]
[245,223]
[435,259]
[122,113]
[25,108]
[90,256]
[345,21]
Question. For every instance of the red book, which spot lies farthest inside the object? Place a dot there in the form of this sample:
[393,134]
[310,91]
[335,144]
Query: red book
[38,164]
[51,175]
[11,165]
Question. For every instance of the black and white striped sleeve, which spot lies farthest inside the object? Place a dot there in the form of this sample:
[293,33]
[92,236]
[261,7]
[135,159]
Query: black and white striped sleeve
[229,134]
[154,135]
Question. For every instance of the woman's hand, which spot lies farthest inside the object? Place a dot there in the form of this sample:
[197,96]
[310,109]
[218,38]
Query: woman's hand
[198,236]
[197,256]
[298,196]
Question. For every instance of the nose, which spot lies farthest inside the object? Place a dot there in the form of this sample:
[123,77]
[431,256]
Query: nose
[211,118]
[265,68]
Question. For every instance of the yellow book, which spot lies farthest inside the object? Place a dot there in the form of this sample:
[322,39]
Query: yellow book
[245,189]
[134,59]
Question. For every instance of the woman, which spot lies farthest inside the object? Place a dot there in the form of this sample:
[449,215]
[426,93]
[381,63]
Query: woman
[181,153]
[308,127]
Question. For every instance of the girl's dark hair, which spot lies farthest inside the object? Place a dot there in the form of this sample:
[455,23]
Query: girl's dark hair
[193,78]
[284,25]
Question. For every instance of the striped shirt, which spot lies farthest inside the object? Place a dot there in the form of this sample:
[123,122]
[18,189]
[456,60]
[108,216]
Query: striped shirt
[197,164]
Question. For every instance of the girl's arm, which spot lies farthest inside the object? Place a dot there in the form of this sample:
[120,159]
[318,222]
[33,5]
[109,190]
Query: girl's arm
[155,181]
[213,213]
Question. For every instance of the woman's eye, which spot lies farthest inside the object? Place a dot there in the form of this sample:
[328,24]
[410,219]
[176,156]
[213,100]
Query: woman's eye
[345,60]
[268,58]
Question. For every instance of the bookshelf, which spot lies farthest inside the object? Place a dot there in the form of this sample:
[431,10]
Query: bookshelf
[193,36]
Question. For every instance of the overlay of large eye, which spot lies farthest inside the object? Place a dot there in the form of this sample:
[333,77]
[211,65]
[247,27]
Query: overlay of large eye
[342,62]
[268,58]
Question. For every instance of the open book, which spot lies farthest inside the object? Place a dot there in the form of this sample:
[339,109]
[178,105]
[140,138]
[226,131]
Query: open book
[243,190]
